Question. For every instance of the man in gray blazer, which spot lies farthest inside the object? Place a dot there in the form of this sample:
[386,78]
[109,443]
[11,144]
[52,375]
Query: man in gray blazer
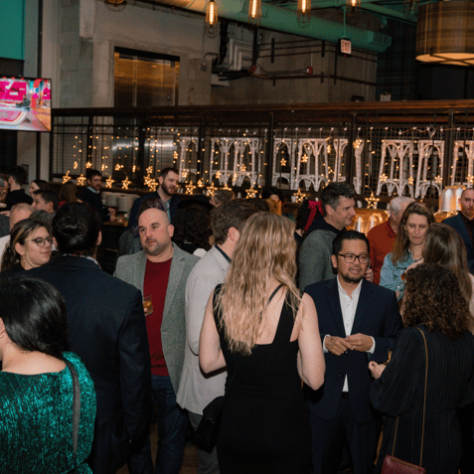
[161,271]
[197,389]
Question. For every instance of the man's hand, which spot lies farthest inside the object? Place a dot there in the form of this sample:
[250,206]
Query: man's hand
[369,274]
[376,369]
[337,345]
[359,342]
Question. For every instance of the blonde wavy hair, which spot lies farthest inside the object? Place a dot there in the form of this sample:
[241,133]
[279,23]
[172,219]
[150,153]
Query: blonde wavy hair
[266,249]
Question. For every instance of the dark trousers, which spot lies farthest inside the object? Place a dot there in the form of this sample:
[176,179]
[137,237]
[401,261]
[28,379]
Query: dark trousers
[329,437]
[172,426]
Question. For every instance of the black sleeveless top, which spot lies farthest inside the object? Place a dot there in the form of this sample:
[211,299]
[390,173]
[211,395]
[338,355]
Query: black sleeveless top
[264,426]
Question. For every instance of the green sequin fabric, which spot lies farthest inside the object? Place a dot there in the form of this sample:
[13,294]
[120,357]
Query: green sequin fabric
[36,421]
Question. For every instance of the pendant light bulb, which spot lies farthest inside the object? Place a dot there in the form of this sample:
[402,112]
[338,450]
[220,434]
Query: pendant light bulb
[211,19]
[255,12]
[303,11]
[353,7]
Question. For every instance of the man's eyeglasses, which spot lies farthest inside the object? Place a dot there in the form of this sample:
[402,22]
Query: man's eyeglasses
[41,241]
[351,258]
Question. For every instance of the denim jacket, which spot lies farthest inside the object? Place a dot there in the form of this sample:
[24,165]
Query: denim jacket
[391,274]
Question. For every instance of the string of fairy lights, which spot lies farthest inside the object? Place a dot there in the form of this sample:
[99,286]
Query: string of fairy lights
[304,157]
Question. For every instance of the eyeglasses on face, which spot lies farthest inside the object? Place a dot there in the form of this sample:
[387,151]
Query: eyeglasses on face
[41,241]
[351,257]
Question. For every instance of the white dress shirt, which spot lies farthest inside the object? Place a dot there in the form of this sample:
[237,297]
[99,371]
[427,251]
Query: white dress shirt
[348,306]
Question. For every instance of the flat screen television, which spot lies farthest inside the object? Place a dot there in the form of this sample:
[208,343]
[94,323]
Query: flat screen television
[25,104]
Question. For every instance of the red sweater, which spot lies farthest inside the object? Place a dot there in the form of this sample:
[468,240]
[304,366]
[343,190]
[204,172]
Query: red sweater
[381,238]
[155,284]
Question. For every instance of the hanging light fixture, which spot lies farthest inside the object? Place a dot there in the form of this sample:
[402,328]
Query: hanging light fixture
[211,19]
[353,7]
[303,11]
[255,12]
[445,34]
[115,5]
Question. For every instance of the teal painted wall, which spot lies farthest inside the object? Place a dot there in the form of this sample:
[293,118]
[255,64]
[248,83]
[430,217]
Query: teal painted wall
[12,21]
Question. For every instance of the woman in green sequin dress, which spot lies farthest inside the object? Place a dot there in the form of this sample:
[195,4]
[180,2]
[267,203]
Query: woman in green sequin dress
[36,388]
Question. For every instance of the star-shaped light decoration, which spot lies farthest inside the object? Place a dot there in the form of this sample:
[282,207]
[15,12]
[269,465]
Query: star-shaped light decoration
[299,196]
[283,162]
[211,190]
[108,182]
[118,167]
[81,180]
[76,165]
[200,183]
[243,168]
[218,175]
[251,193]
[152,185]
[190,188]
[66,177]
[88,164]
[304,158]
[372,201]
[126,183]
[438,179]
[383,178]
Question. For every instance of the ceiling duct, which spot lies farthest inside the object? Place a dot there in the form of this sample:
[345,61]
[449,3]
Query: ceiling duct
[286,21]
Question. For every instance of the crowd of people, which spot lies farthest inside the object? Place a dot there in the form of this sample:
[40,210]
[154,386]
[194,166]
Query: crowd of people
[318,338]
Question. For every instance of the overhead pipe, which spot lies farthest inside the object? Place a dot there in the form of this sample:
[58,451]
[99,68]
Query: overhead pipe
[365,5]
[286,21]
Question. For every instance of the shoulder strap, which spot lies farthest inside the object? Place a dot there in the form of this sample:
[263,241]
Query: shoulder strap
[76,412]
[424,405]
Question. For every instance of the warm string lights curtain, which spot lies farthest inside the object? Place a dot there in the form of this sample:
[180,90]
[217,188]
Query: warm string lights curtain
[211,19]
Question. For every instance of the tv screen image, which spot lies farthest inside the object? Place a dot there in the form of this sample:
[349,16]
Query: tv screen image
[25,104]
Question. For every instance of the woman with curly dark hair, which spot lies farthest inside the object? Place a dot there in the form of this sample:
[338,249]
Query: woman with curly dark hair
[435,308]
[192,230]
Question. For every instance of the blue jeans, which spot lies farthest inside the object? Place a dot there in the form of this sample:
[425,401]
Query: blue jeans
[172,426]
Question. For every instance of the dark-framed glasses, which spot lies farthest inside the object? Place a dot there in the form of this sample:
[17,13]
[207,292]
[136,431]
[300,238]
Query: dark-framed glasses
[352,257]
[41,241]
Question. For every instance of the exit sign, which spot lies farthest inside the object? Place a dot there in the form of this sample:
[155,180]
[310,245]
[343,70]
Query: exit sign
[345,47]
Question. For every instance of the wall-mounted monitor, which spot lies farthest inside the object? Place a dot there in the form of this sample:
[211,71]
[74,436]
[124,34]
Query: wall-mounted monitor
[25,104]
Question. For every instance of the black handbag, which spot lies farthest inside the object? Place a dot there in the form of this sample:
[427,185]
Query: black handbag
[206,432]
[76,411]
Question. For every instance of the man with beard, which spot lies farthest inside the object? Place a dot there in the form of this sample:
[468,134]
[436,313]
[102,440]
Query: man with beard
[91,196]
[358,321]
[463,224]
[168,184]
[161,271]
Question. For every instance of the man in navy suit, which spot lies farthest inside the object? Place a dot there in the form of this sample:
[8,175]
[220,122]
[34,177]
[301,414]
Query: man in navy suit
[463,224]
[358,321]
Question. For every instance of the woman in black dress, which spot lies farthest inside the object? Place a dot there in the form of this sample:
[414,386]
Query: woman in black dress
[433,303]
[266,333]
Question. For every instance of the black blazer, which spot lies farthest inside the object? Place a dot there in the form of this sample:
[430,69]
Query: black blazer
[107,330]
[377,315]
[458,225]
